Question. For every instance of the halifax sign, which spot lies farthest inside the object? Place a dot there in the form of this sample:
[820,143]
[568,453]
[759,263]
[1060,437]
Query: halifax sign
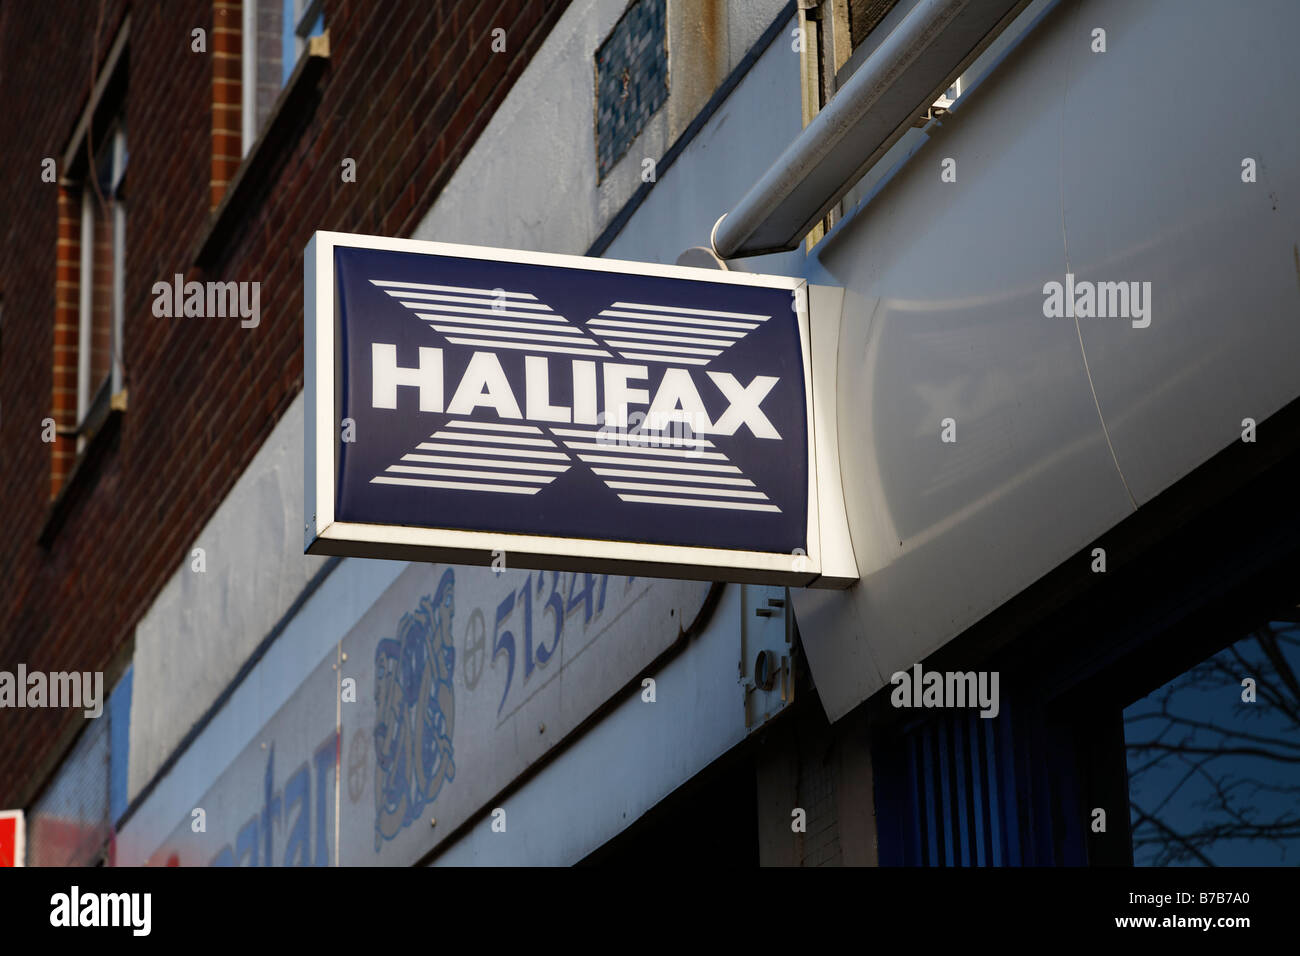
[487,406]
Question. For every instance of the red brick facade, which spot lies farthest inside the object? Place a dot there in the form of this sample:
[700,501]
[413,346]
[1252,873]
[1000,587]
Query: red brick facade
[67,284]
[227,113]
[408,86]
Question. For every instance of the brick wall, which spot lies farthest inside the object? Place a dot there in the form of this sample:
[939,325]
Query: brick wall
[227,109]
[63,396]
[408,87]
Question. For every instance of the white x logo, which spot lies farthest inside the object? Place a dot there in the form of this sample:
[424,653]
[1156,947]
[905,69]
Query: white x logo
[744,400]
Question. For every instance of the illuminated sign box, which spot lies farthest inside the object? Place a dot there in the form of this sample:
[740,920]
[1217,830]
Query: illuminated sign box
[468,404]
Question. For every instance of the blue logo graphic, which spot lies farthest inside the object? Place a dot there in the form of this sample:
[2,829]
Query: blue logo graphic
[415,712]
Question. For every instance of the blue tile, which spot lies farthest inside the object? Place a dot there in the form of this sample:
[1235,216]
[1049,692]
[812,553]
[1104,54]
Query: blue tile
[631,79]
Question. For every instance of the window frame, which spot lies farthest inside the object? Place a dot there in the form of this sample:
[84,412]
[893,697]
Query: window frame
[94,398]
[96,147]
[300,26]
[307,12]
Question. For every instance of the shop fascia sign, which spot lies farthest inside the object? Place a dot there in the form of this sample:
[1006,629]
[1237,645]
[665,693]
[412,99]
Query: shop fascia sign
[477,406]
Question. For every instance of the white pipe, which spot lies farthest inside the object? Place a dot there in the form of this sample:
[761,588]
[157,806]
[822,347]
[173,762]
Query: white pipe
[914,36]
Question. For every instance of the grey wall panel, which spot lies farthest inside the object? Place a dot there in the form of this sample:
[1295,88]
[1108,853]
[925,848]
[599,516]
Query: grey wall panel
[738,143]
[1153,136]
[627,762]
[944,319]
[1115,166]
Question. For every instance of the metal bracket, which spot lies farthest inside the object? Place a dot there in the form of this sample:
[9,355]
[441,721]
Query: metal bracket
[766,653]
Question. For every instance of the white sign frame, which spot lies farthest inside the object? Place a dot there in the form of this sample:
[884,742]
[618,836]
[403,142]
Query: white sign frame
[325,535]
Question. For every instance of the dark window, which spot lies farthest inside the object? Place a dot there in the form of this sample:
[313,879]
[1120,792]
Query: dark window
[1214,758]
[864,15]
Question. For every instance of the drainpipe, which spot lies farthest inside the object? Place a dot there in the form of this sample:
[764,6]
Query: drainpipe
[907,72]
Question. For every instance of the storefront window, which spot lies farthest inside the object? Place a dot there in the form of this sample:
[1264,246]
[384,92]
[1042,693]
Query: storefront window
[1214,759]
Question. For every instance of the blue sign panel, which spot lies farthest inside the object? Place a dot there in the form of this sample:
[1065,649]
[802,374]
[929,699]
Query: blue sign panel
[523,398]
[606,414]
